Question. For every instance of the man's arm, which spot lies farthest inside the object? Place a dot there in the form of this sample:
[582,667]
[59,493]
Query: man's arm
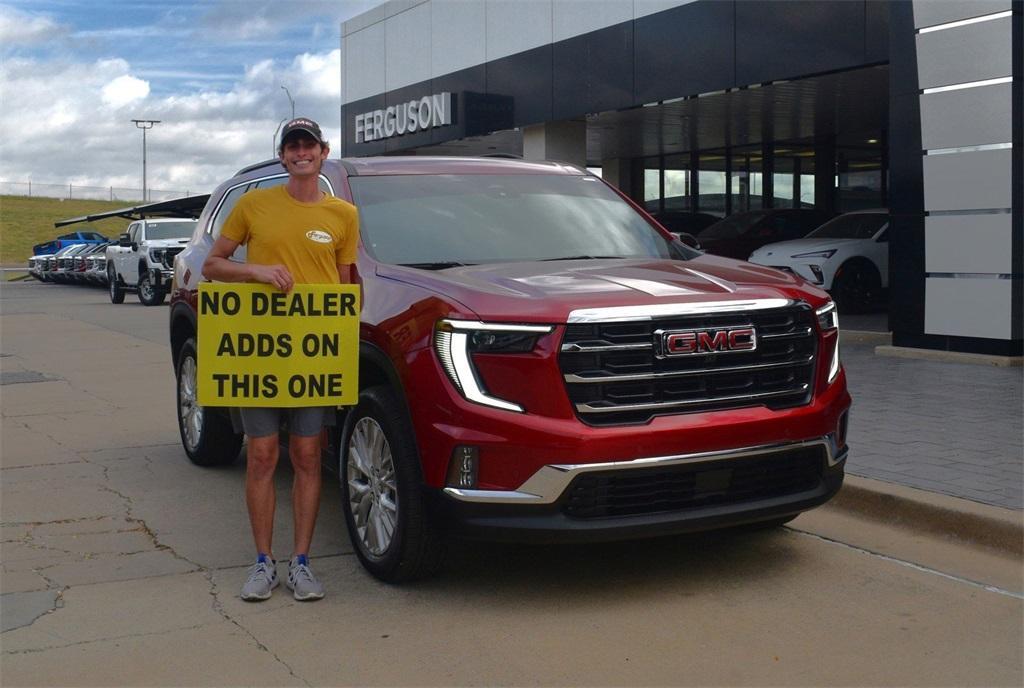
[217,266]
[346,275]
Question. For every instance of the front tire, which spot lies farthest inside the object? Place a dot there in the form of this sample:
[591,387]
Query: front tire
[149,293]
[207,437]
[857,287]
[114,287]
[391,530]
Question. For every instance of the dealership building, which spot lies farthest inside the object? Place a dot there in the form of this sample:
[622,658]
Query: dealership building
[721,106]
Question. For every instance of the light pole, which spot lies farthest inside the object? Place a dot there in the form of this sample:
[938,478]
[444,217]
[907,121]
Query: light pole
[145,125]
[290,100]
[274,142]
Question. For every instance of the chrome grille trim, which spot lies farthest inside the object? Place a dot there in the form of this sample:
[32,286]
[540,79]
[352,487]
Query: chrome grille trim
[578,348]
[572,377]
[682,403]
[670,310]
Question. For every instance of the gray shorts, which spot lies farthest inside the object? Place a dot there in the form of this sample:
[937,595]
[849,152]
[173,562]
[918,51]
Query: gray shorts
[302,422]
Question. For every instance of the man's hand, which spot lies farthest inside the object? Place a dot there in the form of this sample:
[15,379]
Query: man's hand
[276,275]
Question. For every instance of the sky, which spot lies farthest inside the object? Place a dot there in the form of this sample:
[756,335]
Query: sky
[74,73]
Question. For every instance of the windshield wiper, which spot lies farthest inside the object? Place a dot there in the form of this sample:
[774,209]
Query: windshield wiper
[547,260]
[440,265]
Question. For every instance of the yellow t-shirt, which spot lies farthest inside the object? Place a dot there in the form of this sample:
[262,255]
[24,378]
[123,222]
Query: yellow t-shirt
[310,239]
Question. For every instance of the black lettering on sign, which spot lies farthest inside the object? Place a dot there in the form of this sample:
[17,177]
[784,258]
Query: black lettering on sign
[262,345]
[226,346]
[348,304]
[251,386]
[328,385]
[213,302]
[260,303]
[321,344]
[221,379]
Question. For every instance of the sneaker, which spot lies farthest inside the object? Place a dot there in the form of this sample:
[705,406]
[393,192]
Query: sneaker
[262,580]
[301,581]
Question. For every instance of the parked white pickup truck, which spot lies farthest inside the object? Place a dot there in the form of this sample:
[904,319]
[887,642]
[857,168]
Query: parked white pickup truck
[143,258]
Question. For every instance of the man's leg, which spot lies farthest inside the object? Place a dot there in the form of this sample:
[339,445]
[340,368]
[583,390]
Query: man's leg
[305,456]
[261,461]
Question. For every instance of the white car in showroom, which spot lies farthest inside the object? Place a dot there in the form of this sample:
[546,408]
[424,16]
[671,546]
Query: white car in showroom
[848,256]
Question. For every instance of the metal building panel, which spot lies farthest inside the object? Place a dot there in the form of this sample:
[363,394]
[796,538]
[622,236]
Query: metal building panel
[364,74]
[934,12]
[572,18]
[407,41]
[642,8]
[968,307]
[967,117]
[973,180]
[967,53]
[969,243]
[459,30]
[514,26]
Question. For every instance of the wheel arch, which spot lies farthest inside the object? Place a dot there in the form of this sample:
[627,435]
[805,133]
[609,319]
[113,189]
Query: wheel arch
[183,326]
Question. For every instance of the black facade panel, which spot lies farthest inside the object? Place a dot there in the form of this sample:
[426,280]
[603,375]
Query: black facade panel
[526,78]
[876,38]
[350,147]
[684,51]
[1017,171]
[463,85]
[906,191]
[593,72]
[783,39]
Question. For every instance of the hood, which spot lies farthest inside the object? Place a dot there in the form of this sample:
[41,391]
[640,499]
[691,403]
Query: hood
[787,249]
[549,291]
[164,243]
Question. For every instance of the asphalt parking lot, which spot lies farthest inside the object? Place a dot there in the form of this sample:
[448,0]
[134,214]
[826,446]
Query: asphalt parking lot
[121,564]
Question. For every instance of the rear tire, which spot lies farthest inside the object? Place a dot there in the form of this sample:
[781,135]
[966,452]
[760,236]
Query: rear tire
[149,293]
[207,436]
[392,531]
[114,287]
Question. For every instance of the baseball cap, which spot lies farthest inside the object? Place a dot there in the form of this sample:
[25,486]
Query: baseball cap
[302,124]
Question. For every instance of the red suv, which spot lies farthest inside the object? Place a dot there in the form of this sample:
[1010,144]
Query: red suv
[540,360]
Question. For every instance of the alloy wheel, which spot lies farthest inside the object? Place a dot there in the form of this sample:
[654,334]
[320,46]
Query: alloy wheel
[189,410]
[372,486]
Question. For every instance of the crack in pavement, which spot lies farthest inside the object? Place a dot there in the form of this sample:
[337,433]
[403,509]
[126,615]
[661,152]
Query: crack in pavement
[218,607]
[34,650]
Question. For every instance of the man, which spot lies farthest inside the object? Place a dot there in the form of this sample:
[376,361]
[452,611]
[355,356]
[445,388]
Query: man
[285,228]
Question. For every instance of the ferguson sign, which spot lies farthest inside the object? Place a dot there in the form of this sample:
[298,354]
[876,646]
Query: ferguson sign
[405,118]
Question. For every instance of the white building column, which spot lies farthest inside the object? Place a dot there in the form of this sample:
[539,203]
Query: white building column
[564,141]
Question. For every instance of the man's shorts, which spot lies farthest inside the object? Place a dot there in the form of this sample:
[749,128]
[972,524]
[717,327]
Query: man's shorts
[302,422]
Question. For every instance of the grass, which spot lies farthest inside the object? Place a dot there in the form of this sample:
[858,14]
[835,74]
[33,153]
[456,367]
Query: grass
[26,221]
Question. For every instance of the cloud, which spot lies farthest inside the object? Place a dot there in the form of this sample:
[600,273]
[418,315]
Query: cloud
[124,90]
[22,28]
[85,111]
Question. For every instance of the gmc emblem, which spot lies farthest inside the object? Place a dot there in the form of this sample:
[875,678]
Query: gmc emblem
[688,342]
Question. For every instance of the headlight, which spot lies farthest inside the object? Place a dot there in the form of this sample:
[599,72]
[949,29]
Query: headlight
[456,340]
[817,254]
[157,254]
[828,320]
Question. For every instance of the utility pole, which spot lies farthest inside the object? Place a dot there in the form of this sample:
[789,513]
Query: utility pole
[290,99]
[145,125]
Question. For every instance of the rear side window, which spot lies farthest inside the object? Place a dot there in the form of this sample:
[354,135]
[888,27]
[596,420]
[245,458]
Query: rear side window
[232,196]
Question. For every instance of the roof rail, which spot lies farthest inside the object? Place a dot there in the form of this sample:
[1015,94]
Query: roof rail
[256,166]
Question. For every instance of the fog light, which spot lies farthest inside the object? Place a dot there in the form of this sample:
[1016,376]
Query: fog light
[463,467]
[819,278]
[841,429]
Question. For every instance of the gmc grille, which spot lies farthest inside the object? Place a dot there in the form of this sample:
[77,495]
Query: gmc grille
[613,376]
[168,258]
[691,486]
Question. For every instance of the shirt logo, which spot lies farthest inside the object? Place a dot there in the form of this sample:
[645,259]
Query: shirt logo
[318,236]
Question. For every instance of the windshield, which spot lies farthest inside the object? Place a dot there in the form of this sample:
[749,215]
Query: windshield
[733,226]
[439,220]
[851,226]
[170,230]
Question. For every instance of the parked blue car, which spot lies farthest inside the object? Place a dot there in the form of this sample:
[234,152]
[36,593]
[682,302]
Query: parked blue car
[83,236]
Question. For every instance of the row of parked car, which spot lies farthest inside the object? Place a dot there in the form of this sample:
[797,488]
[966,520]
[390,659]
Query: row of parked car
[139,261]
[846,255]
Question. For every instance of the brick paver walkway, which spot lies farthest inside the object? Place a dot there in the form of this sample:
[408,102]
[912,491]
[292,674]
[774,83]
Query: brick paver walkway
[953,428]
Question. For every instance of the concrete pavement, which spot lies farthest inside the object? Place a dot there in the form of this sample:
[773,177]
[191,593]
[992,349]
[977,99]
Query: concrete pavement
[121,561]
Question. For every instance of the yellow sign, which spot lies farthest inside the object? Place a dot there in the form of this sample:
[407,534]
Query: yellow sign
[259,346]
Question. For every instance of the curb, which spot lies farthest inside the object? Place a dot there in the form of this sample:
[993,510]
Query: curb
[932,513]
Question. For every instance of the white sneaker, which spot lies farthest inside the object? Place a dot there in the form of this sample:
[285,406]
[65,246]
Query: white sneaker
[261,581]
[301,581]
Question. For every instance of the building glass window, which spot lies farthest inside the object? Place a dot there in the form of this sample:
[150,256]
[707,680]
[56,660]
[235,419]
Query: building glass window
[677,183]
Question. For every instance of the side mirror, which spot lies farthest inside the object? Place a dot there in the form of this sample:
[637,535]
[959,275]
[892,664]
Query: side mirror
[688,239]
[124,241]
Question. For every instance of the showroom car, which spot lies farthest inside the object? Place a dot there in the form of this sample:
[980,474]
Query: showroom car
[847,256]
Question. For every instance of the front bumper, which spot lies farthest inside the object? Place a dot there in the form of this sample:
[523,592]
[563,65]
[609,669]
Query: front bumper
[701,492]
